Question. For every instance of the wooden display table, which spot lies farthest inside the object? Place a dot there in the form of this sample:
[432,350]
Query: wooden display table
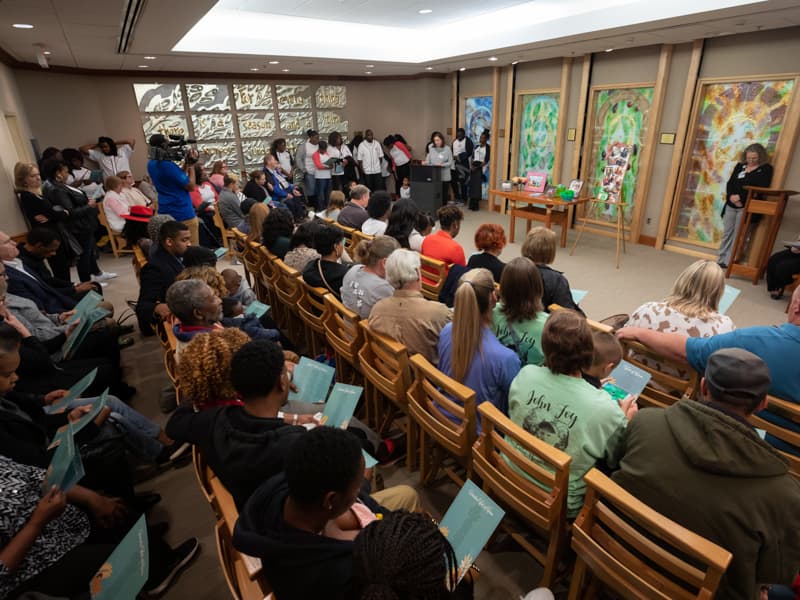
[523,205]
[771,205]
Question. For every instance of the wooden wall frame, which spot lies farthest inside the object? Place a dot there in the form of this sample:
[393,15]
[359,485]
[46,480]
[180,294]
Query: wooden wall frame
[493,129]
[580,126]
[604,227]
[781,159]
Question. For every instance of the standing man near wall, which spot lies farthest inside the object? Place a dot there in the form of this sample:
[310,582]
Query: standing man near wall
[369,155]
[173,184]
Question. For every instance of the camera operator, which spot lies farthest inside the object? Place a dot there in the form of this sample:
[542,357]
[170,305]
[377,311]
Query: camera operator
[172,183]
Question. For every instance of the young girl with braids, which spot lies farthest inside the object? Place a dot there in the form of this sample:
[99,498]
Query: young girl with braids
[468,350]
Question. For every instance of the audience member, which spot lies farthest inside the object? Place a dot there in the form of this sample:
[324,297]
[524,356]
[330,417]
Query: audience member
[693,458]
[322,175]
[335,206]
[607,354]
[490,239]
[365,283]
[197,307]
[133,195]
[354,212]
[519,318]
[326,271]
[402,221]
[277,231]
[540,247]
[379,208]
[253,225]
[422,229]
[158,274]
[407,316]
[781,269]
[114,204]
[441,244]
[228,203]
[112,156]
[237,287]
[405,189]
[197,256]
[369,155]
[219,169]
[301,246]
[555,404]
[284,194]
[79,176]
[468,350]
[256,187]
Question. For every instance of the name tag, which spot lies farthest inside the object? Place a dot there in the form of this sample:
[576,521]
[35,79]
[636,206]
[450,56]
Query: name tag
[742,173]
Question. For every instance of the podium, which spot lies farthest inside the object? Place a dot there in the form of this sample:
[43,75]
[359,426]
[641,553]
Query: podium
[426,187]
[770,205]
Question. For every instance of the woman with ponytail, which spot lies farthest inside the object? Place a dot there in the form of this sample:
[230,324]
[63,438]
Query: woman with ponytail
[468,350]
[365,284]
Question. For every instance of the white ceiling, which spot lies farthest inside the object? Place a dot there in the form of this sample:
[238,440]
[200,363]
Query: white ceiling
[84,33]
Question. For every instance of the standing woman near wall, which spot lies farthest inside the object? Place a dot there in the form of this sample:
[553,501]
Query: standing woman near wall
[440,155]
[753,170]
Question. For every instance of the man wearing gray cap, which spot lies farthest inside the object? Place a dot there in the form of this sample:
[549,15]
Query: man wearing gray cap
[703,465]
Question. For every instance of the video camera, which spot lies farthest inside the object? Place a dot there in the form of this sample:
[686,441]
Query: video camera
[175,148]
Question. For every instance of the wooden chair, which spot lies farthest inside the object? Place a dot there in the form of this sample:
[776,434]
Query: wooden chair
[170,361]
[288,292]
[654,393]
[204,476]
[430,395]
[311,308]
[529,477]
[387,374]
[228,238]
[595,325]
[268,276]
[345,337]
[787,410]
[243,573]
[253,260]
[359,236]
[348,235]
[139,261]
[434,274]
[627,547]
[116,239]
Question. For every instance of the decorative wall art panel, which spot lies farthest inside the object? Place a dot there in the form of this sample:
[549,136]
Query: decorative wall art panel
[207,96]
[165,125]
[477,116]
[257,96]
[328,121]
[222,150]
[296,123]
[331,96]
[254,152]
[212,126]
[158,97]
[538,126]
[258,124]
[293,97]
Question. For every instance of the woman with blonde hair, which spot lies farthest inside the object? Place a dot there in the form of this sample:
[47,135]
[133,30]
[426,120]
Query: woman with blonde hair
[254,223]
[468,350]
[205,368]
[365,283]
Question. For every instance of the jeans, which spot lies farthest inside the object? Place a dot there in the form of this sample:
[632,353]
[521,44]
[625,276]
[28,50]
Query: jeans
[323,188]
[141,434]
[730,223]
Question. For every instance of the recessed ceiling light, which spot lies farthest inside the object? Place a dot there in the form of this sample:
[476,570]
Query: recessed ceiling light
[369,66]
[368,72]
[514,62]
[285,70]
[254,69]
[274,62]
[46,52]
[149,57]
[144,66]
[22,26]
[425,11]
[429,68]
[609,49]
[463,69]
[493,58]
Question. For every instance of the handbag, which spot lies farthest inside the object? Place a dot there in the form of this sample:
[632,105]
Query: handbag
[69,242]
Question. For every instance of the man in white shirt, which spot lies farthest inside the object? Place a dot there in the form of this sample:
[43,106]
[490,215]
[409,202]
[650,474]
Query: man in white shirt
[112,156]
[369,155]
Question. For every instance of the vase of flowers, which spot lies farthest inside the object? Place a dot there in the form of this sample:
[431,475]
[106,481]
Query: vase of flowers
[519,182]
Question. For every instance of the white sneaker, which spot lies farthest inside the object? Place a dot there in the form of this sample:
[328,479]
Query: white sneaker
[104,276]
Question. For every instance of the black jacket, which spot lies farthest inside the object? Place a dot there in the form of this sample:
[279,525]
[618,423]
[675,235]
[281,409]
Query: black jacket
[242,450]
[47,298]
[297,564]
[37,266]
[556,289]
[157,275]
[82,217]
[33,205]
[760,177]
[255,191]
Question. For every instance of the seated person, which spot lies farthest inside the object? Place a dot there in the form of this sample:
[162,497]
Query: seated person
[197,308]
[245,444]
[335,206]
[490,239]
[55,542]
[302,523]
[378,208]
[519,318]
[354,212]
[556,405]
[277,231]
[781,270]
[407,316]
[121,217]
[284,194]
[197,256]
[237,287]
[301,246]
[441,244]
[365,283]
[133,196]
[228,203]
[708,457]
[540,247]
[256,187]
[163,264]
[233,316]
[606,356]
[468,350]
[423,227]
[327,272]
[205,368]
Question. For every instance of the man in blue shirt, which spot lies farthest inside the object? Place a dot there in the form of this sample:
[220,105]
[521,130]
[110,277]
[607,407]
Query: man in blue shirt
[779,347]
[173,185]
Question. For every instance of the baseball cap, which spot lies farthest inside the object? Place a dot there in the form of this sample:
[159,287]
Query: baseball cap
[738,375]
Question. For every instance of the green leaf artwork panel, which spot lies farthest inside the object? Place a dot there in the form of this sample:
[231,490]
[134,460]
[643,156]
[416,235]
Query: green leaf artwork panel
[538,126]
[620,119]
[731,116]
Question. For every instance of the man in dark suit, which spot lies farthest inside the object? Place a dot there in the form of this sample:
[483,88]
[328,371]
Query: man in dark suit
[159,273]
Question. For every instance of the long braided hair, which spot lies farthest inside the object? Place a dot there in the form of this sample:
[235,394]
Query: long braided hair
[403,556]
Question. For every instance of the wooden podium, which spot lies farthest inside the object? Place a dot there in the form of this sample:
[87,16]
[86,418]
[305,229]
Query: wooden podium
[770,205]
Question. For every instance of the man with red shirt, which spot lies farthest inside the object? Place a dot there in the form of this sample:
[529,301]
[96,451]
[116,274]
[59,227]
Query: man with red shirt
[441,244]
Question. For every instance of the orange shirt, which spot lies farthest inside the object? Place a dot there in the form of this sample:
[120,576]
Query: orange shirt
[442,246]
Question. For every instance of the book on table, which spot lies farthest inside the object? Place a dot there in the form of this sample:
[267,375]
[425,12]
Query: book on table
[75,391]
[313,381]
[626,379]
[469,523]
[66,466]
[125,571]
[82,329]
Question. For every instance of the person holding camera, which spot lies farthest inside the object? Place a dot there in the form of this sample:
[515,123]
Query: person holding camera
[172,183]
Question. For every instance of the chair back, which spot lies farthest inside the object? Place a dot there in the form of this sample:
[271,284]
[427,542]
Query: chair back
[227,234]
[116,239]
[385,363]
[529,477]
[360,236]
[139,261]
[434,274]
[268,275]
[595,325]
[791,412]
[311,308]
[654,394]
[431,394]
[204,475]
[344,336]
[637,552]
[348,235]
[253,260]
[288,291]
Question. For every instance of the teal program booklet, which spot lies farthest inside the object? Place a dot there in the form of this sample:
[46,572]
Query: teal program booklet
[74,392]
[66,467]
[313,380]
[469,523]
[83,328]
[626,379]
[728,296]
[126,570]
[341,405]
[88,303]
[220,252]
[73,428]
[259,309]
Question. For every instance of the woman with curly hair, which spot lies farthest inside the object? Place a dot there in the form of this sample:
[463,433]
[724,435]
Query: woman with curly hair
[205,368]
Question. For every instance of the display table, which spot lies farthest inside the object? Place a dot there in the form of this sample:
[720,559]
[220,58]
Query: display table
[523,205]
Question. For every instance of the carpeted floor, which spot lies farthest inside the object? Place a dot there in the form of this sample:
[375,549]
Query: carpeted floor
[507,572]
